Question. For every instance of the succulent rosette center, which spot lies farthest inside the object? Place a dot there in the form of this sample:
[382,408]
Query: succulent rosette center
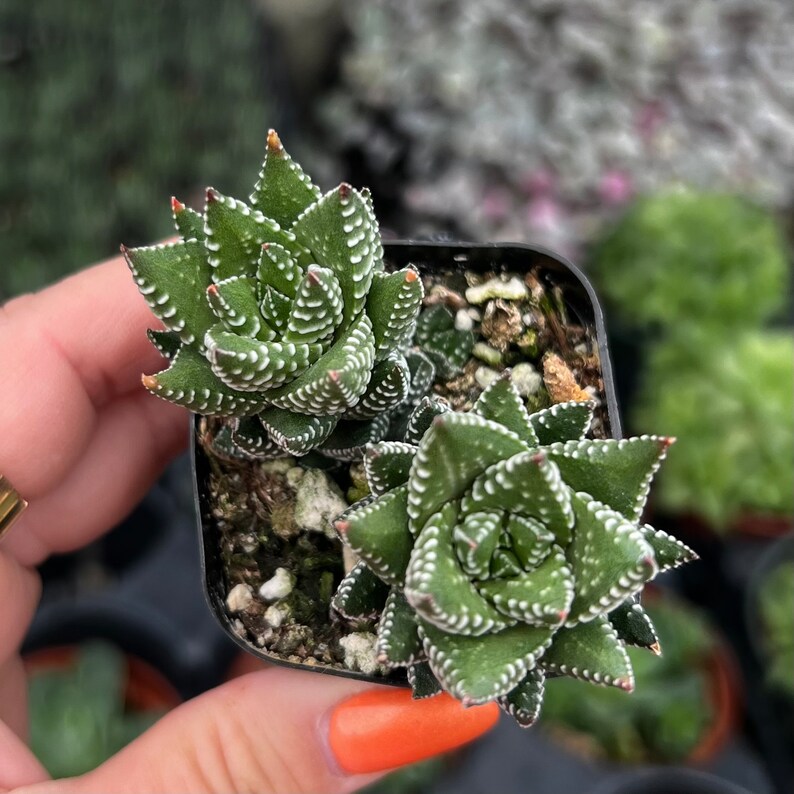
[508,547]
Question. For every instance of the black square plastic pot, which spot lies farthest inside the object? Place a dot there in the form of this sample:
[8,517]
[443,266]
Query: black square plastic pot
[581,303]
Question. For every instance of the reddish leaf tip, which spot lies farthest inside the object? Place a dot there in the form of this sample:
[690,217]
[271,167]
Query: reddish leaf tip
[626,684]
[342,526]
[667,442]
[176,205]
[538,458]
[212,195]
[333,375]
[212,290]
[411,276]
[312,277]
[265,246]
[655,648]
[344,190]
[124,250]
[150,382]
[273,141]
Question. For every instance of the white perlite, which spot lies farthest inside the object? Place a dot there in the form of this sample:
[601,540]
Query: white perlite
[485,376]
[526,379]
[360,652]
[463,320]
[512,290]
[278,586]
[318,501]
[276,615]
[239,598]
[294,476]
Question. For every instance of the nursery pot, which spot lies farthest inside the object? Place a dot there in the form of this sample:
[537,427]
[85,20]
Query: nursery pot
[555,273]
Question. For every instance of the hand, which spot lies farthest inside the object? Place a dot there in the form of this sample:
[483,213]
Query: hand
[83,441]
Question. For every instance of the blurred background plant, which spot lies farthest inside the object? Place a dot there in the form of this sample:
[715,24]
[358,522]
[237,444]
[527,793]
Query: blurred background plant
[776,605]
[79,714]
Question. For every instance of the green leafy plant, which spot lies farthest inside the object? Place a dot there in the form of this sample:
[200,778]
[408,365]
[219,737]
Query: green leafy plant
[775,600]
[688,257]
[670,711]
[501,547]
[280,309]
[730,404]
[78,717]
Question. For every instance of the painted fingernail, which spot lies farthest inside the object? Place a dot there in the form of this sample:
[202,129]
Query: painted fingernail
[384,728]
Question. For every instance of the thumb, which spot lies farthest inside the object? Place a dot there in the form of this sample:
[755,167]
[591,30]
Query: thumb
[283,731]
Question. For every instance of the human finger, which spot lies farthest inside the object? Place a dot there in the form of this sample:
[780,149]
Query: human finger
[284,731]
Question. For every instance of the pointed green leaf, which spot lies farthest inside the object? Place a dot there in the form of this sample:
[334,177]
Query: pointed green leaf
[283,190]
[527,484]
[335,382]
[388,388]
[361,595]
[541,597]
[235,234]
[277,269]
[504,564]
[634,627]
[350,439]
[189,223]
[377,263]
[398,633]
[448,348]
[617,473]
[475,540]
[530,540]
[500,402]
[610,559]
[567,421]
[166,342]
[422,417]
[190,382]
[456,449]
[393,304]
[234,303]
[378,532]
[523,703]
[296,433]
[590,652]
[423,373]
[423,683]
[478,669]
[252,365]
[668,551]
[439,590]
[317,310]
[275,308]
[250,436]
[172,279]
[387,465]
[339,230]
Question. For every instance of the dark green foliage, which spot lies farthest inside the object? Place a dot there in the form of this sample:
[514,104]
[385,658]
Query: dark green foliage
[687,257]
[105,107]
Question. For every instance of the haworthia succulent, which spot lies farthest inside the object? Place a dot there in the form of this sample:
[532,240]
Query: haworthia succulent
[512,548]
[282,303]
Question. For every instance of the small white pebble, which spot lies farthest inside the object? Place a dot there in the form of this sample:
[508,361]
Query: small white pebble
[475,314]
[276,615]
[239,598]
[526,379]
[360,653]
[463,322]
[278,586]
[485,376]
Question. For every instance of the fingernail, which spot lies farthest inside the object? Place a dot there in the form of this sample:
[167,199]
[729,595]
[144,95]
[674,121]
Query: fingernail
[383,728]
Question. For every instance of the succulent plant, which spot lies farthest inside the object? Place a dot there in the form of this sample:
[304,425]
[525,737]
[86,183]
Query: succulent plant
[501,547]
[280,309]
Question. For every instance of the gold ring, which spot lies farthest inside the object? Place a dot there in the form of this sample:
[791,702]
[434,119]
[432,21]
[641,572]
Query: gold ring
[11,505]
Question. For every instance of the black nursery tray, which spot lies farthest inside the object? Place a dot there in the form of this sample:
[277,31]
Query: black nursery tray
[582,305]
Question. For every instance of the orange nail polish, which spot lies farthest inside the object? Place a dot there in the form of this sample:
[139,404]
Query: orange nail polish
[384,728]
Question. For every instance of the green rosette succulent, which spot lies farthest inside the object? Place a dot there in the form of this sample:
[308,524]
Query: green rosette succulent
[280,309]
[499,548]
